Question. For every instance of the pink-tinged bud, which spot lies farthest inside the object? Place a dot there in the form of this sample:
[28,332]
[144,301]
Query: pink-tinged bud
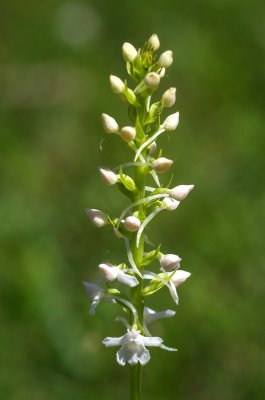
[170,204]
[171,122]
[97,217]
[116,84]
[153,42]
[128,133]
[180,277]
[166,59]
[108,176]
[162,164]
[152,147]
[132,223]
[169,97]
[152,80]
[170,262]
[110,125]
[181,192]
[129,52]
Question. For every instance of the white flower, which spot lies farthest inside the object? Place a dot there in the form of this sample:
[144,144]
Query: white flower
[170,204]
[178,278]
[171,122]
[152,315]
[169,97]
[154,42]
[128,133]
[152,80]
[132,223]
[94,293]
[133,348]
[162,164]
[110,125]
[108,176]
[112,273]
[181,191]
[169,262]
[129,52]
[116,84]
[166,59]
[162,72]
[97,217]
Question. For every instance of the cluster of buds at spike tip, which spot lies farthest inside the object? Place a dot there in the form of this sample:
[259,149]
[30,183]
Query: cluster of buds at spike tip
[141,134]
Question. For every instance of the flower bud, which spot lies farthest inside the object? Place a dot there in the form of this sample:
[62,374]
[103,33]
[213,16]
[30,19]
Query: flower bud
[110,125]
[180,277]
[170,204]
[152,147]
[108,176]
[166,59]
[171,122]
[169,97]
[97,217]
[129,52]
[116,84]
[132,223]
[181,191]
[162,164]
[153,42]
[152,80]
[170,262]
[128,133]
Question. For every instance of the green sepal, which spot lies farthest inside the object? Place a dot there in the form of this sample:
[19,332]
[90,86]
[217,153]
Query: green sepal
[132,113]
[113,291]
[140,135]
[156,284]
[130,96]
[127,182]
[150,257]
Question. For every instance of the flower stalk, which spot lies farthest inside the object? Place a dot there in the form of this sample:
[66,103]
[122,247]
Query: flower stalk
[129,285]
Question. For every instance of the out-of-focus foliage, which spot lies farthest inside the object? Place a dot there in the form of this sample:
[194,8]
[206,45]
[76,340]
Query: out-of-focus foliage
[55,60]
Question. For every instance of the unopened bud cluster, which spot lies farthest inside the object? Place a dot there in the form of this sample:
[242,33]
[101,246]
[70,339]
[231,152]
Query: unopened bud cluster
[141,135]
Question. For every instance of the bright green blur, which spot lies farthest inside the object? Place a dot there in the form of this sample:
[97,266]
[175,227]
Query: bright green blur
[55,60]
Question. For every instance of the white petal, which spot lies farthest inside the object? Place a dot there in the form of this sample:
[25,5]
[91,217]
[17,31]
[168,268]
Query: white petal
[144,358]
[152,341]
[180,277]
[112,341]
[92,290]
[127,279]
[173,292]
[151,315]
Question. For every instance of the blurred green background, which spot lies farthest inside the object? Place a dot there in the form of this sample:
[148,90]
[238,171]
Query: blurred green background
[56,57]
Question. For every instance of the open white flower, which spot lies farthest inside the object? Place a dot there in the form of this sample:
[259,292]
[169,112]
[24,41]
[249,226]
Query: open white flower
[152,315]
[112,273]
[133,348]
[178,278]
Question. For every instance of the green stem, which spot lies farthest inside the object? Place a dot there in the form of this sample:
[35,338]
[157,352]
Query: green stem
[137,300]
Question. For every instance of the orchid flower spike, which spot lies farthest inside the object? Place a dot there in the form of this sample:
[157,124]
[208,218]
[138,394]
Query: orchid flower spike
[112,272]
[97,217]
[133,347]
